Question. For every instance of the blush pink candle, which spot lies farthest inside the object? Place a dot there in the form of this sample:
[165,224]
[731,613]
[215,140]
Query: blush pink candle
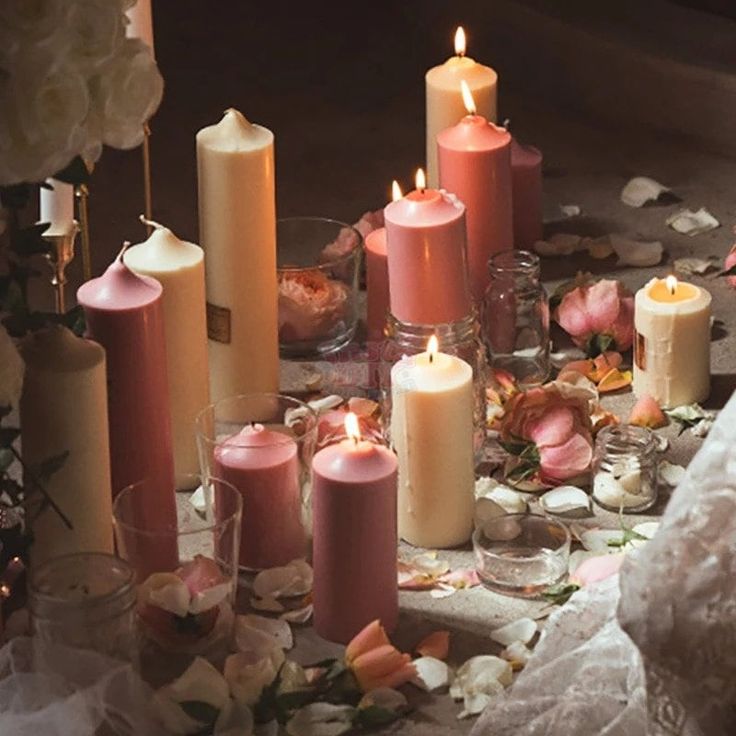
[263,465]
[376,268]
[427,267]
[526,175]
[354,547]
[124,314]
[475,164]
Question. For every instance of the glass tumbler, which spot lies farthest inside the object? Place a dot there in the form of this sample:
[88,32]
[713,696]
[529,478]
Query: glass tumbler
[516,317]
[318,265]
[263,445]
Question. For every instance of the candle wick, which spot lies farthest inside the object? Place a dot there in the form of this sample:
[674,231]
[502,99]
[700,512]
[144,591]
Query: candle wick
[355,440]
[126,245]
[151,223]
[431,357]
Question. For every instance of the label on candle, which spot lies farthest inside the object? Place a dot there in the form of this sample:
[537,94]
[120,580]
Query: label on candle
[218,323]
[640,351]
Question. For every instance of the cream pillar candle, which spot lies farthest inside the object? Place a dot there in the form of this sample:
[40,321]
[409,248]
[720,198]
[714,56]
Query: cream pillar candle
[432,433]
[672,342]
[56,206]
[237,225]
[64,409]
[444,102]
[179,267]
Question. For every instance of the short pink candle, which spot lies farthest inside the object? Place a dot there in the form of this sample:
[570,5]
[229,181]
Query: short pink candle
[475,164]
[376,267]
[124,314]
[354,547]
[526,173]
[427,267]
[264,466]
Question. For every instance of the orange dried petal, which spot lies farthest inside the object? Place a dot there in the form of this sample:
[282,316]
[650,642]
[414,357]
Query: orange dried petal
[436,645]
[647,413]
[614,380]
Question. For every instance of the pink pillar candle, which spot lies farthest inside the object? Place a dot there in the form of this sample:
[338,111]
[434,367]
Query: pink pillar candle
[376,267]
[263,465]
[526,174]
[124,314]
[475,165]
[427,267]
[354,547]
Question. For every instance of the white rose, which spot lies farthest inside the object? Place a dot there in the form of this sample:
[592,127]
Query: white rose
[96,29]
[127,93]
[12,368]
[33,24]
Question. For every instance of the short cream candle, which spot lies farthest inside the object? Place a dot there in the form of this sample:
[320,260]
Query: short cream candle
[672,342]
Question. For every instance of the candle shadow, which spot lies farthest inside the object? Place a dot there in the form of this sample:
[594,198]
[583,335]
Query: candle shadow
[722,386]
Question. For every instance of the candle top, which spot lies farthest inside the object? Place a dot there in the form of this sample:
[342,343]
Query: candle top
[57,349]
[355,463]
[119,289]
[680,297]
[424,208]
[255,446]
[523,155]
[474,133]
[430,372]
[234,134]
[163,251]
[447,76]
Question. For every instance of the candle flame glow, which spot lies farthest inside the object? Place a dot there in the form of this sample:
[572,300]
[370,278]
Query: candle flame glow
[468,100]
[352,428]
[420,180]
[460,41]
[433,346]
[396,192]
[671,283]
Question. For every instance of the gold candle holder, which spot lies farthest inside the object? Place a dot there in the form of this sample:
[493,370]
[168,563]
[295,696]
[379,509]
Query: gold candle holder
[82,194]
[147,196]
[58,258]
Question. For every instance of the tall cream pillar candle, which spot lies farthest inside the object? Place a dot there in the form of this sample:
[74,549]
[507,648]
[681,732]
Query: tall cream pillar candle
[432,433]
[179,267]
[237,225]
[672,342]
[56,206]
[445,106]
[64,409]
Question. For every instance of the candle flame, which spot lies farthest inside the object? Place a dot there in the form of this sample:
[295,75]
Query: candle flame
[420,180]
[460,41]
[468,100]
[671,283]
[352,428]
[396,191]
[433,346]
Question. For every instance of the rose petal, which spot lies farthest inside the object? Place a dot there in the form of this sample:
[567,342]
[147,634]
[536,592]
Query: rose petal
[280,582]
[602,302]
[200,573]
[278,629]
[209,598]
[554,427]
[298,615]
[614,380]
[368,638]
[522,630]
[647,413]
[565,499]
[321,719]
[386,698]
[201,682]
[436,645]
[167,591]
[671,473]
[518,654]
[432,674]
[595,569]
[568,460]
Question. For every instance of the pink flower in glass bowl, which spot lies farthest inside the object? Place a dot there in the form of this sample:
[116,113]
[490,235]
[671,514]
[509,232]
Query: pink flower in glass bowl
[598,316]
[548,437]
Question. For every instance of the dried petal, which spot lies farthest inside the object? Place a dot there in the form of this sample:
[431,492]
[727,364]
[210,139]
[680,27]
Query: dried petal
[298,615]
[692,223]
[386,698]
[369,637]
[432,674]
[640,190]
[522,630]
[280,582]
[436,645]
[597,568]
[518,654]
[321,719]
[647,413]
[691,266]
[565,499]
[167,591]
[485,510]
[636,252]
[209,598]
[269,604]
[278,629]
[671,473]
[614,380]
[248,674]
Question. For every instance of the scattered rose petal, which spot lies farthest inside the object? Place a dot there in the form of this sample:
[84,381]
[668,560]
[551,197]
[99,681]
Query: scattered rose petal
[436,645]
[692,223]
[517,653]
[200,682]
[386,698]
[578,557]
[702,428]
[432,674]
[321,719]
[248,674]
[485,510]
[522,630]
[478,680]
[728,263]
[690,266]
[298,615]
[671,473]
[565,499]
[462,578]
[636,252]
[209,598]
[293,415]
[280,582]
[597,568]
[640,190]
[269,604]
[165,590]
[647,413]
[257,642]
[615,380]
[508,499]
[570,210]
[663,443]
[430,564]
[277,628]
[199,500]
[443,590]
[599,248]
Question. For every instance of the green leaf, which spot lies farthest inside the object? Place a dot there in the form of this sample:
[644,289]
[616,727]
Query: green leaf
[200,711]
[598,344]
[375,717]
[75,172]
[627,535]
[561,593]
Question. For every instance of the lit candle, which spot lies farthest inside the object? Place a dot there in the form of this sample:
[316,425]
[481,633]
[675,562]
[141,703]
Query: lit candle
[354,513]
[672,342]
[444,105]
[427,268]
[237,224]
[432,433]
[56,206]
[263,464]
[179,267]
[64,410]
[140,22]
[475,165]
[526,177]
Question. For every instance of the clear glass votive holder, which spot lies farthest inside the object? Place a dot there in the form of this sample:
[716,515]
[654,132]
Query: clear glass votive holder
[515,317]
[318,266]
[521,555]
[263,445]
[186,573]
[461,339]
[85,600]
[625,468]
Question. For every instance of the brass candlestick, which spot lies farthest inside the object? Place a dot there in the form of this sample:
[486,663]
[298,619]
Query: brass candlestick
[82,194]
[59,257]
[147,196]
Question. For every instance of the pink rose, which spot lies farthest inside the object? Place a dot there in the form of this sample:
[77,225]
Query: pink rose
[548,435]
[730,262]
[598,315]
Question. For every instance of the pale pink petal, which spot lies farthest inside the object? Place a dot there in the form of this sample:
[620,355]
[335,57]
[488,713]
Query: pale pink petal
[730,262]
[567,460]
[595,569]
[572,314]
[623,328]
[200,574]
[602,303]
[647,413]
[552,428]
[436,645]
[463,578]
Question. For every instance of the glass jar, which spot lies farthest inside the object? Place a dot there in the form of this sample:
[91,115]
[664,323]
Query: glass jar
[85,600]
[625,468]
[515,317]
[461,339]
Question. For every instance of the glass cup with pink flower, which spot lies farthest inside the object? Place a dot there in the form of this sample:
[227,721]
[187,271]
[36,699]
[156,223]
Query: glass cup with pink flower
[186,572]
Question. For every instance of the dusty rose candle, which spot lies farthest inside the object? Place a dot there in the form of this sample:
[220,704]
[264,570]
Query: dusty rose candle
[263,465]
[376,267]
[427,268]
[526,177]
[354,547]
[475,164]
[125,315]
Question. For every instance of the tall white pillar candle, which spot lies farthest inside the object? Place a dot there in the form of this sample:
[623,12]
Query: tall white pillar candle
[672,342]
[432,433]
[56,206]
[445,106]
[179,267]
[140,22]
[237,225]
[64,409]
